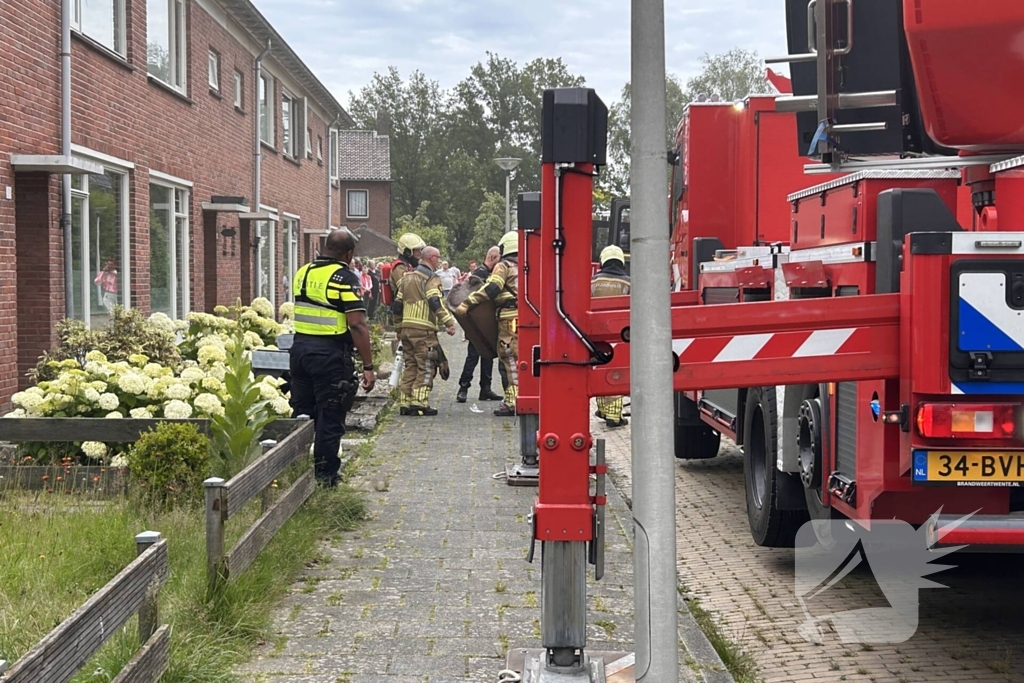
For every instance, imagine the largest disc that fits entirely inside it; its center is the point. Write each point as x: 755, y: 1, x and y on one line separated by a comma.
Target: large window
x: 168, y: 251
x: 266, y: 247
x: 291, y: 257
x: 266, y: 110
x: 333, y: 162
x: 99, y: 246
x: 213, y: 69
x: 288, y: 124
x: 239, y: 90
x: 101, y: 20
x: 166, y: 44
x: 358, y: 204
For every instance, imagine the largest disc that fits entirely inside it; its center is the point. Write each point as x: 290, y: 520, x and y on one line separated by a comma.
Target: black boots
x: 505, y: 410
x: 488, y: 395
x: 463, y: 394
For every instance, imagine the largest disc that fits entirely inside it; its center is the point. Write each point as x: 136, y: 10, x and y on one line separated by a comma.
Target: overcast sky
x: 345, y: 41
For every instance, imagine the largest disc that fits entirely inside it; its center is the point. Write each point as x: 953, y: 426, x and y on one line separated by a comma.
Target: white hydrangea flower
x: 192, y: 375
x: 268, y: 392
x: 287, y: 310
x: 114, y: 415
x: 119, y: 461
x: 91, y: 395
x: 109, y: 401
x: 140, y: 413
x: 281, y: 406
x: 178, y: 392
x: 212, y: 384
x: 162, y: 322
x: 98, y: 386
x: 96, y: 356
x: 177, y: 410
x: 220, y: 310
x: 263, y: 306
x: 138, y: 359
x: 250, y: 316
x: 153, y: 370
x: 209, y: 355
x: 209, y: 404
x: 98, y: 368
x: 18, y: 412
x: 132, y: 383
x: 94, y: 449
x: 251, y: 340
x: 210, y: 340
x: 218, y: 371
x: 156, y: 389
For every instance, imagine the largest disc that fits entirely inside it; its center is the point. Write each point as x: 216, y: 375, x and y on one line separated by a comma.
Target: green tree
x: 490, y: 226
x: 729, y: 77
x: 435, y: 235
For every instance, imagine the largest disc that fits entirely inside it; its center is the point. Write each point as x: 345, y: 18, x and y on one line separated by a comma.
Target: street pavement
x: 435, y: 587
x: 971, y: 631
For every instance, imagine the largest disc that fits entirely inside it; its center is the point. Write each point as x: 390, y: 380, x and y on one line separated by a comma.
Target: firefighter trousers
x: 610, y: 407
x: 419, y: 353
x: 508, y: 354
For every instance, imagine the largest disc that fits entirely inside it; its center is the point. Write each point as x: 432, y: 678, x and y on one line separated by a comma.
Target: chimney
x: 383, y: 123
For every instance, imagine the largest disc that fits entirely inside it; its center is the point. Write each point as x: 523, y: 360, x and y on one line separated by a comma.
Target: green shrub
x: 168, y: 465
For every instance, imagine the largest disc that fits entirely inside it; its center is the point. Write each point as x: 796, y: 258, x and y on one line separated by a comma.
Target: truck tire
x: 770, y: 526
x: 697, y: 442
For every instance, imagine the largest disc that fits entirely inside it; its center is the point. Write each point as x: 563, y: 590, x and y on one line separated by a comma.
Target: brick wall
x: 379, y: 219
x: 117, y: 110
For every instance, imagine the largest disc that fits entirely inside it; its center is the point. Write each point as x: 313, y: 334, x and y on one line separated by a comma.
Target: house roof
x: 249, y: 18
x: 374, y: 245
x: 363, y: 155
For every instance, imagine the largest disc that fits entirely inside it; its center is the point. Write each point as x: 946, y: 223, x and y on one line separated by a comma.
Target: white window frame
x: 348, y: 203
x: 213, y: 70
x: 239, y: 89
x: 121, y: 168
x: 288, y: 142
x: 271, y: 293
x: 334, y: 145
x: 319, y: 148
x: 179, y: 209
x: 177, y: 39
x: 309, y: 142
x: 120, y: 45
x: 291, y: 251
x: 265, y: 101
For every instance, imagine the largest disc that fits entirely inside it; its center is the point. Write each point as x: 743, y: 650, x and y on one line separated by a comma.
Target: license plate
x: 968, y: 468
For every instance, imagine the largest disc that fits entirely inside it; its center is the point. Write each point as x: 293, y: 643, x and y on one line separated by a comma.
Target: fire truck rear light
x: 952, y: 420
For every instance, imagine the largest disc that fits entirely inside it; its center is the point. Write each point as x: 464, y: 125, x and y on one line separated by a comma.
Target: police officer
x: 611, y: 280
x: 502, y: 287
x: 330, y: 317
x: 421, y: 306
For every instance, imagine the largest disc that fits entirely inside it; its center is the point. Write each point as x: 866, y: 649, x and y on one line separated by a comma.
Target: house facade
x: 365, y: 181
x: 202, y: 165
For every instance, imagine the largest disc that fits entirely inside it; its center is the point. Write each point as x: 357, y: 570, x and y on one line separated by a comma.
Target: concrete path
x: 435, y: 586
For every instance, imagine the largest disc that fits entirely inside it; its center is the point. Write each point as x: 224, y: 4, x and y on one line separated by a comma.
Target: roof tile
x: 363, y: 155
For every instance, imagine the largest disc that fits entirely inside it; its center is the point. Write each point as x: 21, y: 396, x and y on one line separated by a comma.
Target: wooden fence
x: 225, y: 498
x: 136, y: 589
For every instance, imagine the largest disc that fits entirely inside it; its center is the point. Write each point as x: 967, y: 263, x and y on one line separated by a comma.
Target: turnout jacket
x: 419, y: 300
x: 502, y: 287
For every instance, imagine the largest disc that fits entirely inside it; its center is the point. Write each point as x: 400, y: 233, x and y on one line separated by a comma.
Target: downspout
x: 330, y: 160
x: 257, y: 150
x: 65, y: 149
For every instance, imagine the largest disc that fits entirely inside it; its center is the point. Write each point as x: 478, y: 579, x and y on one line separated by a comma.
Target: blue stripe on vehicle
x: 978, y: 333
x: 990, y: 388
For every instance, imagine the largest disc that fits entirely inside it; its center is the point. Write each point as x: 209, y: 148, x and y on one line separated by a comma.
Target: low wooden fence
x: 224, y: 499
x: 136, y: 589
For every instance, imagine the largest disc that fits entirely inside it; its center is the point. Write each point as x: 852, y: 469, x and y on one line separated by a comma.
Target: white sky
x: 345, y: 41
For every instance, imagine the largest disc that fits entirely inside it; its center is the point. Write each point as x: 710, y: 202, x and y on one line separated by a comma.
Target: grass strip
x: 738, y: 662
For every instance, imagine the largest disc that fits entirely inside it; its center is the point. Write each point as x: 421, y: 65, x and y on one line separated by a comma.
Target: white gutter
x: 330, y: 197
x: 65, y: 143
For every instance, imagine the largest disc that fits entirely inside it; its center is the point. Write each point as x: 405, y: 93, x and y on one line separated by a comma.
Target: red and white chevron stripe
x: 779, y: 345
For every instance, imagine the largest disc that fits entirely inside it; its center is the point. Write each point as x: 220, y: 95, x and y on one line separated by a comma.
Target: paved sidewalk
x: 435, y: 587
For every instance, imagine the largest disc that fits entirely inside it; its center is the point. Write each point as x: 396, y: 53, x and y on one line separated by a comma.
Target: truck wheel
x: 770, y: 526
x: 812, y: 427
x: 697, y: 442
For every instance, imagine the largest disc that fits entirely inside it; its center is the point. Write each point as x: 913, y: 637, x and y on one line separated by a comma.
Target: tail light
x: 967, y: 421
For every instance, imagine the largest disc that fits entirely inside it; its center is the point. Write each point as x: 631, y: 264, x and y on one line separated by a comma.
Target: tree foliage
x: 490, y: 226
x: 434, y: 234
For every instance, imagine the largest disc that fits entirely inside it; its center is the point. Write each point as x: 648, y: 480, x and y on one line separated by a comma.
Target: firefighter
x: 421, y: 307
x: 611, y: 280
x: 410, y: 249
x: 330, y: 318
x: 503, y: 288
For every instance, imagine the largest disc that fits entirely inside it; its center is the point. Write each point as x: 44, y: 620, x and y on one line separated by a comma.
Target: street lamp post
x: 508, y: 164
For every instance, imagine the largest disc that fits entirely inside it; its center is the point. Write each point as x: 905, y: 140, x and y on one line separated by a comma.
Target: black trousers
x: 323, y: 386
x: 486, y: 370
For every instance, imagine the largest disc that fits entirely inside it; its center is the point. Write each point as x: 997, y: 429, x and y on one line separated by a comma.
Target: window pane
x: 158, y: 32
x: 178, y: 42
x: 105, y: 231
x: 357, y: 203
x: 238, y: 89
x: 160, y: 249
x: 265, y: 125
x: 286, y: 125
x: 334, y: 154
x: 266, y: 258
x: 101, y: 21
x: 181, y: 233
x: 77, y: 257
x: 214, y: 71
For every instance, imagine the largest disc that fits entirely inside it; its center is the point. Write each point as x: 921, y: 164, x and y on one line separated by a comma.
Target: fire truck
x: 848, y: 274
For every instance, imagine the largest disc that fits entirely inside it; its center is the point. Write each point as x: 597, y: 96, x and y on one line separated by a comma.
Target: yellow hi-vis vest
x: 316, y: 299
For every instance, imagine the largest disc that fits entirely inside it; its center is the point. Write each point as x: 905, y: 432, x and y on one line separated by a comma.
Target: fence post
x: 267, y: 495
x: 149, y: 611
x: 215, y: 509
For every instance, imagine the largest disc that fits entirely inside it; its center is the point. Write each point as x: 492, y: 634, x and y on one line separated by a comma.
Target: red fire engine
x: 855, y: 324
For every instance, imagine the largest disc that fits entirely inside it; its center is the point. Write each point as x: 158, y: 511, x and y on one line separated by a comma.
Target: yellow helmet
x: 410, y: 242
x: 509, y: 243
x: 612, y: 253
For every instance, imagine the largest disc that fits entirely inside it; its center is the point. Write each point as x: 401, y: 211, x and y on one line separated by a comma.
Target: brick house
x: 365, y: 180
x: 162, y: 206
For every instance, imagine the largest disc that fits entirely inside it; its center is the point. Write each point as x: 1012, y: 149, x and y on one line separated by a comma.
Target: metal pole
x: 65, y: 150
x: 654, y: 554
x: 508, y: 201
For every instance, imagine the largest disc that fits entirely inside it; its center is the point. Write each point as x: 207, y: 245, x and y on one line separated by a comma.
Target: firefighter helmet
x: 509, y: 243
x: 410, y: 242
x: 612, y: 253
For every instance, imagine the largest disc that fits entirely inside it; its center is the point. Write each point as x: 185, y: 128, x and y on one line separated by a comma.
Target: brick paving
x: 434, y: 587
x: 971, y: 631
